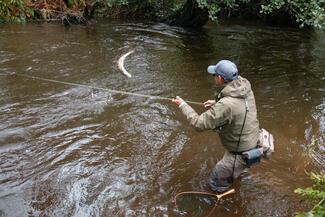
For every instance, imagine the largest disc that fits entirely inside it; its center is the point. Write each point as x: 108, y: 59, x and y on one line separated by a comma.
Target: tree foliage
x: 303, y: 12
x: 306, y: 13
x: 20, y: 10
x: 111, y: 3
x: 214, y: 7
x: 13, y: 10
x: 310, y: 13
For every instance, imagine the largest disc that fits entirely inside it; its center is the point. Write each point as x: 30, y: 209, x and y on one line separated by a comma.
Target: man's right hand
x: 209, y: 103
x: 178, y: 100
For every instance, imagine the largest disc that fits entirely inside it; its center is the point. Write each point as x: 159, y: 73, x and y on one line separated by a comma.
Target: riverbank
x: 75, y: 11
x: 20, y: 11
x: 183, y: 13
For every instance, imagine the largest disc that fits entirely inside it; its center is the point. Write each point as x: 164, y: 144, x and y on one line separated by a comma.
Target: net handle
x: 231, y: 191
x: 219, y: 196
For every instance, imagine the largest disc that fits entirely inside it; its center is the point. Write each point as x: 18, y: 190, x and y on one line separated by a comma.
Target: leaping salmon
x: 121, y: 63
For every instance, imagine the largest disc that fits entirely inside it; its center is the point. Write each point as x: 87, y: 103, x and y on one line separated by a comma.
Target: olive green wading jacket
x: 227, y: 116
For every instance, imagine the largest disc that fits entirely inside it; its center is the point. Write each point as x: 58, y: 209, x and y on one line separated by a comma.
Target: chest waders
x: 241, y: 131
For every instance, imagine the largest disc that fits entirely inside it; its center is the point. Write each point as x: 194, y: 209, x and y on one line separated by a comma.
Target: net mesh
x: 190, y: 204
x: 195, y: 203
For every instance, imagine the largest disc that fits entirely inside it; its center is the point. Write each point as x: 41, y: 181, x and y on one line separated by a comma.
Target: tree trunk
x: 189, y: 16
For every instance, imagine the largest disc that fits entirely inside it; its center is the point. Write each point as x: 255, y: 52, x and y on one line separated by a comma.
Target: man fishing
x: 233, y: 115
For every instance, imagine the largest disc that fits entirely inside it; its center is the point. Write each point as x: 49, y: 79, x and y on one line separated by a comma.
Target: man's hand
x: 209, y: 103
x: 178, y: 100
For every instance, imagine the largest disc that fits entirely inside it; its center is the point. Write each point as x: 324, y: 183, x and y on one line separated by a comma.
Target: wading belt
x: 241, y: 152
x: 241, y: 131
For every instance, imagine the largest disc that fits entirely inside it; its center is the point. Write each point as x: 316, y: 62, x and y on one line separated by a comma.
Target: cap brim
x: 211, y: 70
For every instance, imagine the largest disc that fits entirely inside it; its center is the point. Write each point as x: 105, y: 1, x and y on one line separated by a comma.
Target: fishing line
x: 104, y: 89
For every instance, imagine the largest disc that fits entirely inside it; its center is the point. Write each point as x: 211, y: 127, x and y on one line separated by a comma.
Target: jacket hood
x: 238, y: 88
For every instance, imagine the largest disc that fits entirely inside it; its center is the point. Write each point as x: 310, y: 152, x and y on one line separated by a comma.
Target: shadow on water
x: 73, y: 151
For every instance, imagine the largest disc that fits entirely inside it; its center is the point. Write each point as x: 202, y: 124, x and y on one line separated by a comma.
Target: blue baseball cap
x: 226, y: 69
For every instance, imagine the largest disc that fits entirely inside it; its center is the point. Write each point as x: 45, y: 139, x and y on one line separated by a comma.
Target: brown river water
x: 77, y: 151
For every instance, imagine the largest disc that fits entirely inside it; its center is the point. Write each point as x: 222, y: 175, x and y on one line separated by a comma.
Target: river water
x: 76, y: 151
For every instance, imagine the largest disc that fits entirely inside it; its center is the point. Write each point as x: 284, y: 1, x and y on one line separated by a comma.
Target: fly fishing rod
x: 101, y: 88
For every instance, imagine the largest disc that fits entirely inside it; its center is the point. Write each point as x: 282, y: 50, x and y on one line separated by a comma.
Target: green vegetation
x: 14, y: 10
x: 22, y: 10
x: 313, y: 146
x: 304, y: 13
x: 310, y: 13
x: 315, y: 195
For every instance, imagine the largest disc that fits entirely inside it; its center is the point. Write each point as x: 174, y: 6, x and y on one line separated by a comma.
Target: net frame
x: 217, y: 197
